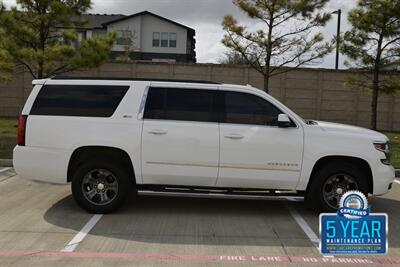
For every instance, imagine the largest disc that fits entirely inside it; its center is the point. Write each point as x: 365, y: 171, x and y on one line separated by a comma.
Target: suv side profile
x: 113, y: 137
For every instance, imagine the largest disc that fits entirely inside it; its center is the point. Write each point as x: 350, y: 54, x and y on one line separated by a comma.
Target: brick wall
x: 312, y: 93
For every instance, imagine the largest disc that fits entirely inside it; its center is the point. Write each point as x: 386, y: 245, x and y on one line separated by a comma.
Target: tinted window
x: 78, y: 100
x: 155, y: 104
x: 242, y: 108
x: 179, y: 104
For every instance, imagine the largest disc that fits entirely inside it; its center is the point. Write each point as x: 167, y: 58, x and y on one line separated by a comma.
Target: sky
x: 205, y: 16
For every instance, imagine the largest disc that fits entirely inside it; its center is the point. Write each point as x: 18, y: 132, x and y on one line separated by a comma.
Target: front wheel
x: 331, y: 182
x: 100, y: 186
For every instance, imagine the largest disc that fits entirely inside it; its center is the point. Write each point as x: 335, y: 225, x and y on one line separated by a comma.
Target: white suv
x: 111, y: 138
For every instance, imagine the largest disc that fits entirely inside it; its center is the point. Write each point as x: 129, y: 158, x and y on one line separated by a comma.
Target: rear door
x: 180, y: 138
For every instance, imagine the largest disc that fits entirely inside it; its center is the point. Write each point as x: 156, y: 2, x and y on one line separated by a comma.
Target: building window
x: 80, y: 37
x: 156, y: 39
x: 164, y: 39
x: 172, y: 39
x: 124, y: 37
x: 100, y: 33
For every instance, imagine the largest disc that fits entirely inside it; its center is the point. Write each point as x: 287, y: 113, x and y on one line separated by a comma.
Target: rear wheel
x: 100, y: 186
x: 331, y: 182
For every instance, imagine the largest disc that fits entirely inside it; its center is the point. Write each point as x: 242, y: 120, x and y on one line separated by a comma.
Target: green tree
x: 6, y: 65
x: 284, y: 34
x: 40, y: 35
x: 373, y: 45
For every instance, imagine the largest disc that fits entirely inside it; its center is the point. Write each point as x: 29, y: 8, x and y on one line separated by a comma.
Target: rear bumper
x: 384, y: 176
x: 41, y: 164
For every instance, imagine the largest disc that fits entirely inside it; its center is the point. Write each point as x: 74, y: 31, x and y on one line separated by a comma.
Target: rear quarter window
x: 78, y: 100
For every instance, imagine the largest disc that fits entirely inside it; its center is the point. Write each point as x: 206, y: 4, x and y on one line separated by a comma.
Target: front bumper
x: 383, y: 176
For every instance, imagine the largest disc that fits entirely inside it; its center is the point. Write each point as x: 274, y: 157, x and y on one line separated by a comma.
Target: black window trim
x: 218, y: 98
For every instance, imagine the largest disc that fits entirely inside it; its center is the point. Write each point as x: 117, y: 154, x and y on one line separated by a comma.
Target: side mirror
x: 284, y: 121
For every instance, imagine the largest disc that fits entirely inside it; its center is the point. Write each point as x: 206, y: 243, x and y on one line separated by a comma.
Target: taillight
x: 22, y: 129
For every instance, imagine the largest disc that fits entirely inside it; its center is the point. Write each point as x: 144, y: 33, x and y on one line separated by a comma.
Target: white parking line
x: 306, y: 228
x: 82, y: 234
x: 396, y: 181
x: 304, y: 225
x: 5, y: 169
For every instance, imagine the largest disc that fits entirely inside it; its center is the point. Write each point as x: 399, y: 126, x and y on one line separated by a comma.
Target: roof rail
x: 131, y: 79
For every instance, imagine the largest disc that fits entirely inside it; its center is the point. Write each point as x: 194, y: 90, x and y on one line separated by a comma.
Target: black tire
x: 315, y: 195
x: 119, y: 176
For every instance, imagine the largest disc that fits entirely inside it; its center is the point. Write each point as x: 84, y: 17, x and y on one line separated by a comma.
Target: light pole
x: 339, y: 13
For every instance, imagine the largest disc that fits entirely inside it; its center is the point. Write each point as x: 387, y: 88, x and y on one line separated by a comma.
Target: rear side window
x: 180, y: 104
x: 78, y: 100
x: 243, y: 108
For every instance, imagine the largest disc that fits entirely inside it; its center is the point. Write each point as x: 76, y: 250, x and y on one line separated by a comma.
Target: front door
x: 255, y: 153
x: 180, y: 138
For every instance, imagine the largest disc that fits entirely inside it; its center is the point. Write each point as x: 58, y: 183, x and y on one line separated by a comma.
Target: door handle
x: 234, y: 136
x: 157, y: 131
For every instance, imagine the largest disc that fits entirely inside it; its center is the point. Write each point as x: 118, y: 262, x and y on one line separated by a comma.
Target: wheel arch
x: 358, y: 162
x: 84, y: 153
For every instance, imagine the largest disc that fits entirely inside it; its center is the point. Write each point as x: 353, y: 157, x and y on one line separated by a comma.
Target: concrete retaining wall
x: 312, y: 93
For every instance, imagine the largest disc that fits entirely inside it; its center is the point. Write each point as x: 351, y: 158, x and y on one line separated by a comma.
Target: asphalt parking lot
x: 40, y: 224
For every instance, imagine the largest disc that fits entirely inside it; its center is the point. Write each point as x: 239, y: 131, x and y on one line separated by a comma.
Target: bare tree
x: 128, y: 40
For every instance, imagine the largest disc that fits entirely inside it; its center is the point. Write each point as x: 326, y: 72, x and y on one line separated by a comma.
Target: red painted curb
x: 214, y: 258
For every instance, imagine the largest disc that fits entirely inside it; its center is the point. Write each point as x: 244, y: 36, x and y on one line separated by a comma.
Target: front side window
x: 243, y: 108
x: 172, y: 39
x: 156, y: 39
x: 180, y: 104
x: 164, y: 39
x: 78, y: 100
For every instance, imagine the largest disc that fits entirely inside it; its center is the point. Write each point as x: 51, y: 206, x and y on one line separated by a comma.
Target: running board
x: 257, y: 196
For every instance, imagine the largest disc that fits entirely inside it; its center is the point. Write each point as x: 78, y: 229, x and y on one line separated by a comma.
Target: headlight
x: 385, y: 148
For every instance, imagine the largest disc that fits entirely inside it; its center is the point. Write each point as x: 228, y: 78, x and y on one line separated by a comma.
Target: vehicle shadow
x: 172, y: 220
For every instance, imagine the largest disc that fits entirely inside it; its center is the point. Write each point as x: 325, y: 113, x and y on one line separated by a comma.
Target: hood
x: 355, y: 130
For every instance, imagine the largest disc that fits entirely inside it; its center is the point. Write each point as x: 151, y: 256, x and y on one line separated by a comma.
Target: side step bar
x: 220, y: 196
x: 219, y: 193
